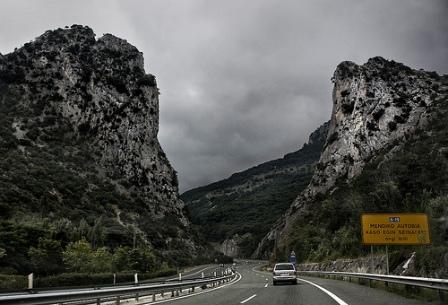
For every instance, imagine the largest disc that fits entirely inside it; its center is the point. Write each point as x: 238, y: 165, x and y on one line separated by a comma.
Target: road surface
x: 255, y: 288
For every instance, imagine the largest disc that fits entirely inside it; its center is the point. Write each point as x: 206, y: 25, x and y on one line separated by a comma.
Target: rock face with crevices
x: 376, y: 106
x: 81, y: 118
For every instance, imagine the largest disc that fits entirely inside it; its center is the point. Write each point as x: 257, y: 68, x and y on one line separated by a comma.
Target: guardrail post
x: 172, y: 293
x: 441, y: 296
x: 192, y: 289
x: 98, y: 301
x: 117, y: 301
x: 136, y: 296
x: 154, y: 297
x: 162, y: 293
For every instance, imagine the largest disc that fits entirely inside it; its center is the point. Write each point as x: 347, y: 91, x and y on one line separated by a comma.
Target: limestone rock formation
x: 377, y: 107
x: 86, y: 108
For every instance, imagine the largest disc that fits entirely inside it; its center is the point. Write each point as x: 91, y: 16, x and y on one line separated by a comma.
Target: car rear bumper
x: 285, y: 278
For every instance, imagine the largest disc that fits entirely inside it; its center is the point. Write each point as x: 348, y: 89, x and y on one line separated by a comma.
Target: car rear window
x: 284, y: 267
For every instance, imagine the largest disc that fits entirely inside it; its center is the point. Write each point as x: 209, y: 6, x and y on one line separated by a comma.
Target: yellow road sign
x: 395, y: 229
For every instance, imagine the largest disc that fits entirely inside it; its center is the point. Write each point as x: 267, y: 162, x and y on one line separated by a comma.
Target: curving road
x: 255, y: 288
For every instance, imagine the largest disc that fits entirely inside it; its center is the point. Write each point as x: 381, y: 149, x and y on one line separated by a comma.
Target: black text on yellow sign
x: 395, y: 229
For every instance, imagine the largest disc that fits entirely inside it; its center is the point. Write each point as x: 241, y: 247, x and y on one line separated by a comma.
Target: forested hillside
x: 243, y: 207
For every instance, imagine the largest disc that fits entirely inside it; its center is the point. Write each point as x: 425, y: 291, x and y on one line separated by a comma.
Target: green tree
x: 78, y: 255
x: 101, y: 260
x: 97, y: 233
x: 46, y: 258
x: 142, y: 259
x: 120, y: 259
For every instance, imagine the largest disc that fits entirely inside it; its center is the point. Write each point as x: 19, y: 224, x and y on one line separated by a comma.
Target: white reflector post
x: 30, y: 280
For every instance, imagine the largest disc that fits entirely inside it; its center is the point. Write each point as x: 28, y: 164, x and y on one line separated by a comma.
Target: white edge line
x: 193, y: 294
x: 248, y: 299
x: 331, y: 294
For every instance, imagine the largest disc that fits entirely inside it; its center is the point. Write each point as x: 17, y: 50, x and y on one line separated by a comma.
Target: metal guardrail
x: 111, y: 294
x: 438, y: 284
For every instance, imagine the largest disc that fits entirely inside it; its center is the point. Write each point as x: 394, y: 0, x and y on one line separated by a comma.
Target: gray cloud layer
x: 244, y: 82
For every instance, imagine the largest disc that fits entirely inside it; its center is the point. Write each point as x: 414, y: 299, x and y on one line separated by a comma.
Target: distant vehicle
x: 284, y: 272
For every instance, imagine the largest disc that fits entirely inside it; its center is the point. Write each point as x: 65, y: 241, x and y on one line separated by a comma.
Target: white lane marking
x: 248, y: 299
x: 193, y: 294
x: 331, y: 294
x: 266, y: 285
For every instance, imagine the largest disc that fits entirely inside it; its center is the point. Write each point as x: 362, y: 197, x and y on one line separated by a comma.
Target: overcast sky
x: 243, y: 81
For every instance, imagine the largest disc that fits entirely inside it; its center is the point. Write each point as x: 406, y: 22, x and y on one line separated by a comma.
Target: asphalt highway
x: 254, y: 287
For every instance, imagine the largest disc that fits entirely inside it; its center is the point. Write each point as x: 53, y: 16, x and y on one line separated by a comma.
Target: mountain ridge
x: 377, y: 108
x: 81, y: 159
x: 266, y: 189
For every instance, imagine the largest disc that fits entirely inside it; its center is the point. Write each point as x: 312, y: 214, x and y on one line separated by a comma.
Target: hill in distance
x: 242, y: 208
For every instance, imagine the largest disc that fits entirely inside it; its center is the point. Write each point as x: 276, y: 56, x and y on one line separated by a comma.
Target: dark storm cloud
x: 244, y: 82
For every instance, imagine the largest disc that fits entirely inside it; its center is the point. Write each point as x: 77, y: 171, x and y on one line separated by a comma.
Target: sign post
x: 394, y: 229
x: 292, y: 258
x: 387, y: 261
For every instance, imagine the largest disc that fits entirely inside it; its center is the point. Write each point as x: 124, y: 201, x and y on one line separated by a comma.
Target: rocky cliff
x: 378, y: 108
x: 243, y: 207
x: 375, y: 106
x: 79, y: 122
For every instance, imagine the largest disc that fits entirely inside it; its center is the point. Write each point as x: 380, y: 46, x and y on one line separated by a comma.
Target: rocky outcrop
x: 403, y: 265
x: 376, y: 108
x: 89, y: 103
x: 232, y: 246
x: 375, y: 264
